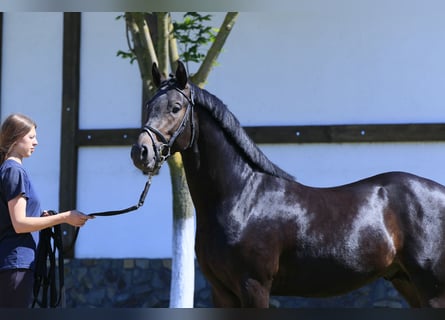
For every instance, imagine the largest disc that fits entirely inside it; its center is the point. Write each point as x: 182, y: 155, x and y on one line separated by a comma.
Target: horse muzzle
x: 144, y: 158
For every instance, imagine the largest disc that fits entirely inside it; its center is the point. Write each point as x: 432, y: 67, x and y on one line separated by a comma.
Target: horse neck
x: 215, y: 167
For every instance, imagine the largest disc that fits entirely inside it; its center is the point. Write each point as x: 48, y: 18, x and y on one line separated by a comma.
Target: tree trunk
x: 183, y: 259
x: 182, y: 287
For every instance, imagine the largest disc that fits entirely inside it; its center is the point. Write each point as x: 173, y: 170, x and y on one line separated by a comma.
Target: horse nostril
x: 139, y: 153
x: 144, y: 152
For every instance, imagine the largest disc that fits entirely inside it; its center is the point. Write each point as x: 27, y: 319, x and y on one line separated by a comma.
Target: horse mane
x: 231, y: 126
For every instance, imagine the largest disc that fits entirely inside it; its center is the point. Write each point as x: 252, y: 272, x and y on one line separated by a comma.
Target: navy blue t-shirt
x: 17, y: 251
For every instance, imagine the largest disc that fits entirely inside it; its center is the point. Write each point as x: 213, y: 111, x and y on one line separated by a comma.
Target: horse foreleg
x: 224, y: 299
x: 255, y: 294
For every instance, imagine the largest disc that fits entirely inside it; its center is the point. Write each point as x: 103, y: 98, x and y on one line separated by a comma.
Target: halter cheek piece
x: 163, y: 151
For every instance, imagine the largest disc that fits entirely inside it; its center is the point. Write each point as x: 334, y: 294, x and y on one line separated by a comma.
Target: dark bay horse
x: 259, y: 232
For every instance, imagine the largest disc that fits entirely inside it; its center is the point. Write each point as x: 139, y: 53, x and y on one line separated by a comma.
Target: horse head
x: 169, y: 126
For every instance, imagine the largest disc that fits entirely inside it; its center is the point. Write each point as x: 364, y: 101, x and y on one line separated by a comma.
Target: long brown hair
x: 15, y: 127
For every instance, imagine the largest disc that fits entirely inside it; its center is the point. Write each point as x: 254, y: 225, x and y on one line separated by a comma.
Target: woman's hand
x: 23, y: 224
x: 76, y: 218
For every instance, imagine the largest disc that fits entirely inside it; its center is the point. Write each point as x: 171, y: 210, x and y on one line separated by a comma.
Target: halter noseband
x: 163, y: 151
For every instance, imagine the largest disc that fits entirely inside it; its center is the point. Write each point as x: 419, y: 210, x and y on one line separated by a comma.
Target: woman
x: 20, y: 213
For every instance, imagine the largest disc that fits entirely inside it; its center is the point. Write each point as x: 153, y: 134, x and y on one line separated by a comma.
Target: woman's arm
x: 24, y: 224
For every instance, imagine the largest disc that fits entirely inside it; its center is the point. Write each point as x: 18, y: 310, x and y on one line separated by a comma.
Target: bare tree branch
x: 173, y: 46
x: 200, y: 77
x: 162, y: 43
x: 143, y: 46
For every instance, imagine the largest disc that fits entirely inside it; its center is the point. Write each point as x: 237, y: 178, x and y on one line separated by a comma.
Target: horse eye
x: 176, y: 109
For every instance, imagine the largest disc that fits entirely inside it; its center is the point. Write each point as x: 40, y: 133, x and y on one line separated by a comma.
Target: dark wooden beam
x: 355, y: 133
x: 70, y: 120
x: 422, y: 132
x: 107, y: 137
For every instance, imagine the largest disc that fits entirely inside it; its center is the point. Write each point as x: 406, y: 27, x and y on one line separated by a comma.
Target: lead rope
x: 45, y: 268
x: 50, y: 243
x: 129, y: 209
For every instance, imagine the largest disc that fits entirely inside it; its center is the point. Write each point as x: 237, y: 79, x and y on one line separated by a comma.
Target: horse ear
x: 156, y: 75
x: 181, y: 75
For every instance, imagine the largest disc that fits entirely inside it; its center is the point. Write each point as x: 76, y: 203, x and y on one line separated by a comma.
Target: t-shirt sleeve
x: 14, y: 183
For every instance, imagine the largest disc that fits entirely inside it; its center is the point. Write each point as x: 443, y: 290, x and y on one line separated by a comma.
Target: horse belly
x: 334, y: 268
x: 321, y: 278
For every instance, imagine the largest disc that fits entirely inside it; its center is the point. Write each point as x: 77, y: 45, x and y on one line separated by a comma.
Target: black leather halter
x: 163, y: 150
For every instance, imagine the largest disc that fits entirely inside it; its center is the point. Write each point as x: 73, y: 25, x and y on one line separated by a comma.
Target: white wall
x: 32, y: 84
x: 366, y: 62
x: 316, y: 64
x: 110, y: 87
x: 324, y: 165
